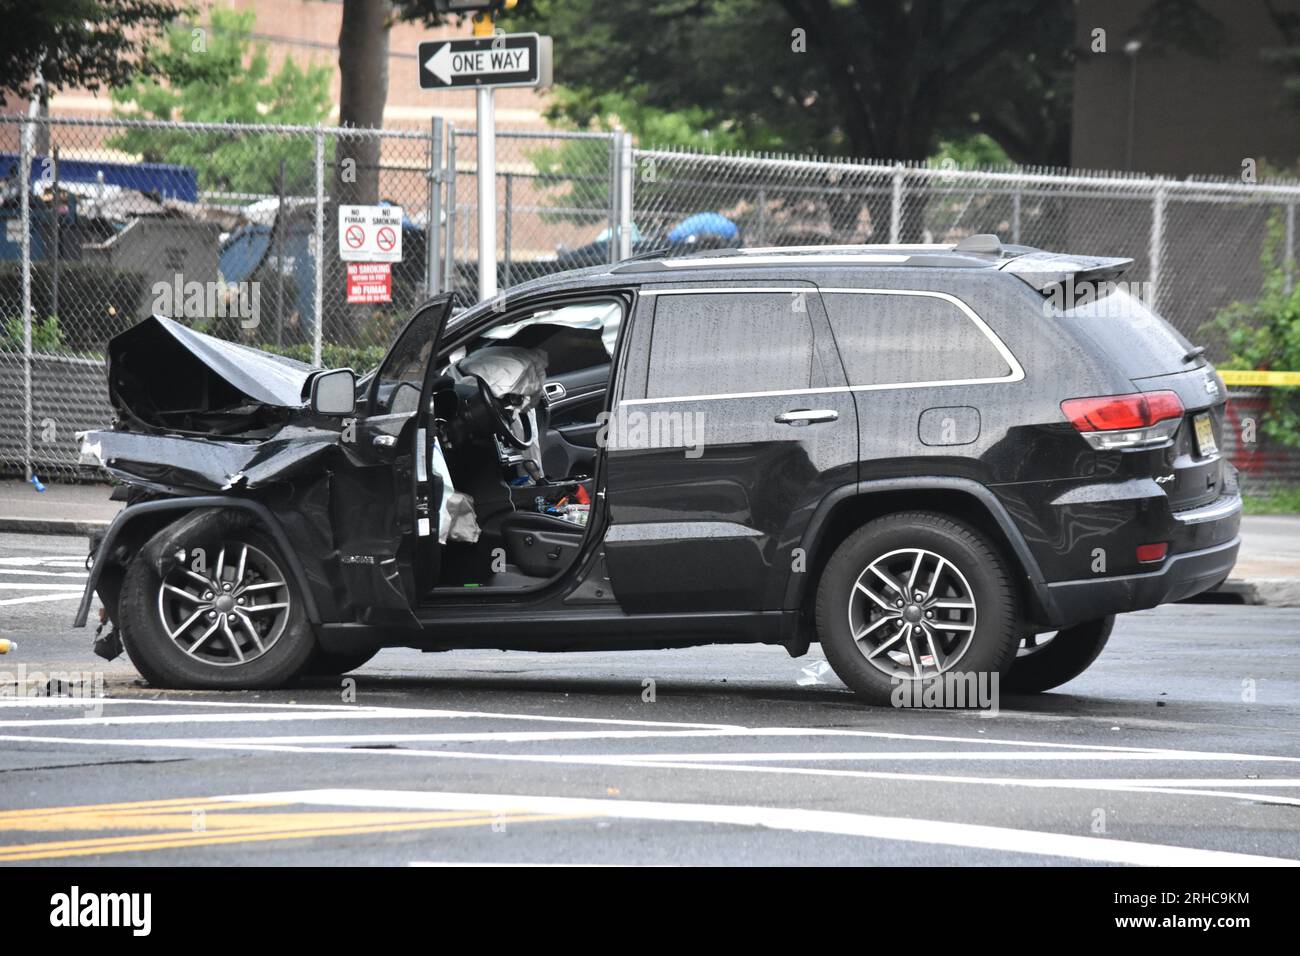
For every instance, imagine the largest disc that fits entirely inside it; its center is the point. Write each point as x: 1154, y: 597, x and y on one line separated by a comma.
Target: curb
x: 1269, y: 592
x: 50, y: 526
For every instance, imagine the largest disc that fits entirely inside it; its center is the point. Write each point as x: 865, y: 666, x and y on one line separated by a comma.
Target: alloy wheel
x: 231, y: 613
x: 912, y: 613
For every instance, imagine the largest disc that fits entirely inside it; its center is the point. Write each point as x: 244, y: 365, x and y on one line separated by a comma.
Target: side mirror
x: 334, y: 392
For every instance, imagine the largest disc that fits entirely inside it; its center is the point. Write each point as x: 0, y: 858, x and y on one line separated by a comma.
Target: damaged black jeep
x: 287, y: 520
x: 910, y: 455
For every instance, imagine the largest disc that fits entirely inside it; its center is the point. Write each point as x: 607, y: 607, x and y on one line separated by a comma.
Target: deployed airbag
x: 514, y: 375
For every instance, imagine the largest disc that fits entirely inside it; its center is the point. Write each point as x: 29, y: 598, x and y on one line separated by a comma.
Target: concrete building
x: 307, y: 31
x: 1176, y: 113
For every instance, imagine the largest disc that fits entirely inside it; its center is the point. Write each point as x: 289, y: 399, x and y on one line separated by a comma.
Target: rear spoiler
x: 1044, y: 270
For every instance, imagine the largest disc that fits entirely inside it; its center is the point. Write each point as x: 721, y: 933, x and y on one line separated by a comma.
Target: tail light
x: 1125, y: 421
x: 1156, y: 551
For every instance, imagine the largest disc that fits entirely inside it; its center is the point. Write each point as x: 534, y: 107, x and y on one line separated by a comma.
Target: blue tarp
x: 168, y: 181
x: 713, y: 225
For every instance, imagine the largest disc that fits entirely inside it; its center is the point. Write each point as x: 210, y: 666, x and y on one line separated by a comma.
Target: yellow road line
x: 15, y: 819
x: 184, y: 822
x: 132, y: 805
x: 39, y: 851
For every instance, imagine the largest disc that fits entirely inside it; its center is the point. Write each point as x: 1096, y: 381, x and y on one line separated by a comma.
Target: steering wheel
x: 513, y: 429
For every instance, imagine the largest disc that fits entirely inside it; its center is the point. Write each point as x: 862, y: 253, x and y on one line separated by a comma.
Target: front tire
x: 1041, y: 665
x: 234, y: 621
x: 912, y: 597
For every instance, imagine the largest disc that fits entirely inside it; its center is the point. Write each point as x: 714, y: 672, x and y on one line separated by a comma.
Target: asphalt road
x: 1180, y: 746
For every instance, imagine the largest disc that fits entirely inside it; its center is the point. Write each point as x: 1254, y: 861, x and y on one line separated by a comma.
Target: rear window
x: 1137, y: 341
x: 894, y: 339
x: 727, y: 342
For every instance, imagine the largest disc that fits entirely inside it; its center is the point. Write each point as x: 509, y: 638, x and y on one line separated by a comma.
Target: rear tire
x: 938, y: 599
x: 180, y: 632
x: 1059, y: 660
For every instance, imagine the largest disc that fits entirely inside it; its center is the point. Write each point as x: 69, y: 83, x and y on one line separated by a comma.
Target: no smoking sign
x: 370, y: 233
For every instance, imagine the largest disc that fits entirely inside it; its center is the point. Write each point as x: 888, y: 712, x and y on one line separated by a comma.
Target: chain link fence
x: 557, y: 205
x: 1199, y: 244
x: 233, y: 229
x: 230, y: 228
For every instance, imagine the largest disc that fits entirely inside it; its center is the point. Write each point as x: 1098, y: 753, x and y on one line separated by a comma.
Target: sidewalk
x: 60, y: 509
x: 1269, y: 563
x: 1267, y: 571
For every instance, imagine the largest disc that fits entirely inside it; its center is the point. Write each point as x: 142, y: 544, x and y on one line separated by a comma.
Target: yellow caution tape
x: 1252, y: 377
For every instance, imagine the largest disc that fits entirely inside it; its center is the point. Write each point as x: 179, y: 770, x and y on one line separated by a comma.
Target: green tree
x: 882, y: 79
x: 215, y: 73
x: 872, y: 78
x: 1264, y: 333
x: 1286, y: 57
x: 83, y: 44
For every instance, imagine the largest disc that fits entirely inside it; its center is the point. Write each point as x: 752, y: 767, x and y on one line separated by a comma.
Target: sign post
x: 487, y: 195
x: 482, y: 64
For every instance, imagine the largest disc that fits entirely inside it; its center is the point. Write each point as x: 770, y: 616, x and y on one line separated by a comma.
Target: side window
x: 400, y: 379
x: 721, y: 342
x: 888, y: 339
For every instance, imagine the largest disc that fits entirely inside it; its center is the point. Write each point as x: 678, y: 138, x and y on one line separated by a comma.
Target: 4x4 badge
x: 1164, y: 478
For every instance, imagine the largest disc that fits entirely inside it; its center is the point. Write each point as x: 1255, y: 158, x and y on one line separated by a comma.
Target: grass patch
x: 1282, y: 501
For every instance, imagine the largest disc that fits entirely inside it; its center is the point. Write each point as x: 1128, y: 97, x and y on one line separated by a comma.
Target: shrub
x: 1264, y: 333
x: 95, y: 301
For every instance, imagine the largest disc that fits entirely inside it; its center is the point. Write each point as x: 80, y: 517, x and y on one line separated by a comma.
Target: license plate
x: 1205, y: 443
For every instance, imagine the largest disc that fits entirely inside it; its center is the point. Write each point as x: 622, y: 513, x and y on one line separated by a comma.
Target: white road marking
x: 744, y: 757
x: 302, y: 712
x: 80, y: 575
x: 46, y: 560
x: 623, y: 761
x: 27, y: 586
x: 40, y: 598
x: 327, y: 712
x: 172, y: 702
x: 837, y: 823
x: 1085, y: 752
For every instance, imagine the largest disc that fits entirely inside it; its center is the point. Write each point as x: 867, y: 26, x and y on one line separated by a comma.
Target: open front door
x: 390, y: 504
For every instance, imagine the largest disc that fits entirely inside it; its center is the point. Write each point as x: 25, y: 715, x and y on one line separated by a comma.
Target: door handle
x: 384, y: 441
x: 806, y: 416
x: 555, y: 391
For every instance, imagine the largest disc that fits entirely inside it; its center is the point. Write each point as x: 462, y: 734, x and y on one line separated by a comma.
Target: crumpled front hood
x: 165, y: 375
x: 173, y: 464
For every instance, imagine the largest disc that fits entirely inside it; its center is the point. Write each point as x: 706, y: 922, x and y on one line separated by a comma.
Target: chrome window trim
x: 1016, y: 374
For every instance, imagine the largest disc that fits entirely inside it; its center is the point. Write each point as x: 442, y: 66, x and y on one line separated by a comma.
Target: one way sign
x: 507, y: 59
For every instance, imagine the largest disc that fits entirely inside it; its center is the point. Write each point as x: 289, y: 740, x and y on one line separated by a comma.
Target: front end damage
x: 196, y: 414
x: 208, y: 433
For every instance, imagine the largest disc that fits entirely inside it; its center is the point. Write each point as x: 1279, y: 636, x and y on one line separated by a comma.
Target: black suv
x: 926, y: 458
